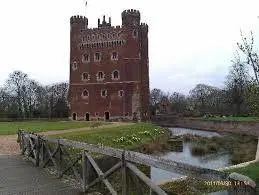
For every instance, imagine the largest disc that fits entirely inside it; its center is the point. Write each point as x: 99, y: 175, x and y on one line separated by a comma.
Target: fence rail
x: 42, y: 150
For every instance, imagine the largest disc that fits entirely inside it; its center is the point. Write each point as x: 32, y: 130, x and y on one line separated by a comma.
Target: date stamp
x: 227, y: 183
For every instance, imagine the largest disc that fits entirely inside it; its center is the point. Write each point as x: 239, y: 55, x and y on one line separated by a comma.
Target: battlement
x: 78, y: 19
x: 131, y: 12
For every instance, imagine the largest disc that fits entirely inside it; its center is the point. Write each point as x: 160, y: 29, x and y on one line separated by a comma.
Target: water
x: 212, y: 161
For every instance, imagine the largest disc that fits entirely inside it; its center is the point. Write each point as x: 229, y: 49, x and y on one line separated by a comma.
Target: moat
x: 212, y: 161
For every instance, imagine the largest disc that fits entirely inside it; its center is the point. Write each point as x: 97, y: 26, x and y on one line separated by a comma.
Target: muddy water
x: 211, y: 161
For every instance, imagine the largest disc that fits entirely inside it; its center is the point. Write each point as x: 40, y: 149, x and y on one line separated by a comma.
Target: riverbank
x: 249, y: 127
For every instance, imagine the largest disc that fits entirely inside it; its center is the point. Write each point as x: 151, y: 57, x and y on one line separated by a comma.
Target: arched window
x: 97, y: 56
x: 120, y: 93
x: 104, y: 93
x: 74, y: 65
x: 114, y: 56
x: 100, y: 75
x: 85, y: 93
x: 115, y: 75
x: 85, y: 76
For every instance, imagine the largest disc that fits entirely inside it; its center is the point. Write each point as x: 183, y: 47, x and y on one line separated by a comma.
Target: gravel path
x: 9, y: 145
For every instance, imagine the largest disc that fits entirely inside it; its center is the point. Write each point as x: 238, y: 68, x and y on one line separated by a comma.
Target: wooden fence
x: 42, y: 151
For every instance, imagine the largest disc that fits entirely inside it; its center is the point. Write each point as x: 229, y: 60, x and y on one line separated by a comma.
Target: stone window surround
x: 83, y: 58
x: 112, y: 75
x: 74, y: 65
x: 100, y: 56
x: 73, y: 115
x: 97, y: 76
x: 85, y: 96
x: 112, y: 56
x: 105, y: 93
x: 88, y: 76
x: 119, y: 93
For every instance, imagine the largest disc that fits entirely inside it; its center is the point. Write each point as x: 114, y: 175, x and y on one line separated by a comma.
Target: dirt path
x: 9, y: 145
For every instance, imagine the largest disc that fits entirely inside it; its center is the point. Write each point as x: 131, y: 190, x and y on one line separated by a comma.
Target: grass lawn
x: 231, y: 118
x: 130, y: 136
x: 251, y: 170
x: 8, y: 128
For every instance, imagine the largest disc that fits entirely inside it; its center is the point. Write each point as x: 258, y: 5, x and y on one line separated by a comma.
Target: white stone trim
x: 112, y: 75
x: 97, y: 76
x: 119, y: 94
x: 73, y: 116
x: 117, y: 56
x: 83, y: 96
x: 100, y: 57
x: 83, y: 58
x: 105, y: 93
x: 88, y: 76
x: 74, y: 65
x: 88, y: 114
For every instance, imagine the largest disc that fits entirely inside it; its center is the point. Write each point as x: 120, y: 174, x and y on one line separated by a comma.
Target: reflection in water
x: 211, y: 161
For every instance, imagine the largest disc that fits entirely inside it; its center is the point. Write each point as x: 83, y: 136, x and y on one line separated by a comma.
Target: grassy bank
x: 8, y: 128
x: 242, y: 148
x: 135, y: 136
x: 251, y: 170
x: 232, y: 118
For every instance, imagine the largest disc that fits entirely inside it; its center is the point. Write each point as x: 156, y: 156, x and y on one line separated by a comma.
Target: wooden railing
x: 42, y: 151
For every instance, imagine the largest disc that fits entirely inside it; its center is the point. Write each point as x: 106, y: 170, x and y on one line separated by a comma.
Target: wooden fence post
x: 84, y: 171
x: 37, y: 157
x: 124, y: 174
x: 59, y: 160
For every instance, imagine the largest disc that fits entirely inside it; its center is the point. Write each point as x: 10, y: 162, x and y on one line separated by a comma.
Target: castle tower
x: 109, y: 77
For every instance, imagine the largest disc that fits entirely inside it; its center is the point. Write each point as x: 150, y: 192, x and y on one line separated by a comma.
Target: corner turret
x: 78, y: 22
x: 130, y: 17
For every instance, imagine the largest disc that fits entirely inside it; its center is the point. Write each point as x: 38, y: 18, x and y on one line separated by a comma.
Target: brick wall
x: 130, y: 43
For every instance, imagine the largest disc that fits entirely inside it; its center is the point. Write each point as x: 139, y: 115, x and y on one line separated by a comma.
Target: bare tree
x: 248, y: 49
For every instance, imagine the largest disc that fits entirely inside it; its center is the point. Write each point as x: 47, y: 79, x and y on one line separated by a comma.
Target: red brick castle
x: 109, y: 73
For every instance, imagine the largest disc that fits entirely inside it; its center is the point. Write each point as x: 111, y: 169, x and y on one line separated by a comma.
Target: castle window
x: 114, y: 56
x: 120, y: 93
x: 97, y: 114
x: 103, y: 93
x: 97, y: 57
x: 74, y: 65
x: 115, y: 75
x: 85, y: 94
x: 100, y: 76
x: 85, y: 76
x: 135, y: 34
x: 86, y: 58
x: 81, y: 47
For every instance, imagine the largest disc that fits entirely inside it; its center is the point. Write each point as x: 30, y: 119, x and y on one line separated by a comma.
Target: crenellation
x: 108, y: 48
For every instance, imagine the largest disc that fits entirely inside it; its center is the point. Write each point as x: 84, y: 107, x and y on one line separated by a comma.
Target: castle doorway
x: 87, y: 117
x: 74, y: 116
x: 107, y: 115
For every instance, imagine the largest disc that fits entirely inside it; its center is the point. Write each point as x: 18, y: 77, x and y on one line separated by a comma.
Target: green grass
x: 251, y: 170
x: 230, y: 118
x: 8, y: 128
x: 130, y: 136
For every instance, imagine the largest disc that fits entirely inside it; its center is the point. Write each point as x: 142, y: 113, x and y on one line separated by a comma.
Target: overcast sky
x: 190, y: 41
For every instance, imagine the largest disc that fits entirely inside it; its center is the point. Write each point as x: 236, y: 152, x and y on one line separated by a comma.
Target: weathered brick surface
x: 130, y: 41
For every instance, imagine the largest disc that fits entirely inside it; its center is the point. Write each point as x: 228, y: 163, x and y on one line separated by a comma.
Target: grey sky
x: 190, y: 41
